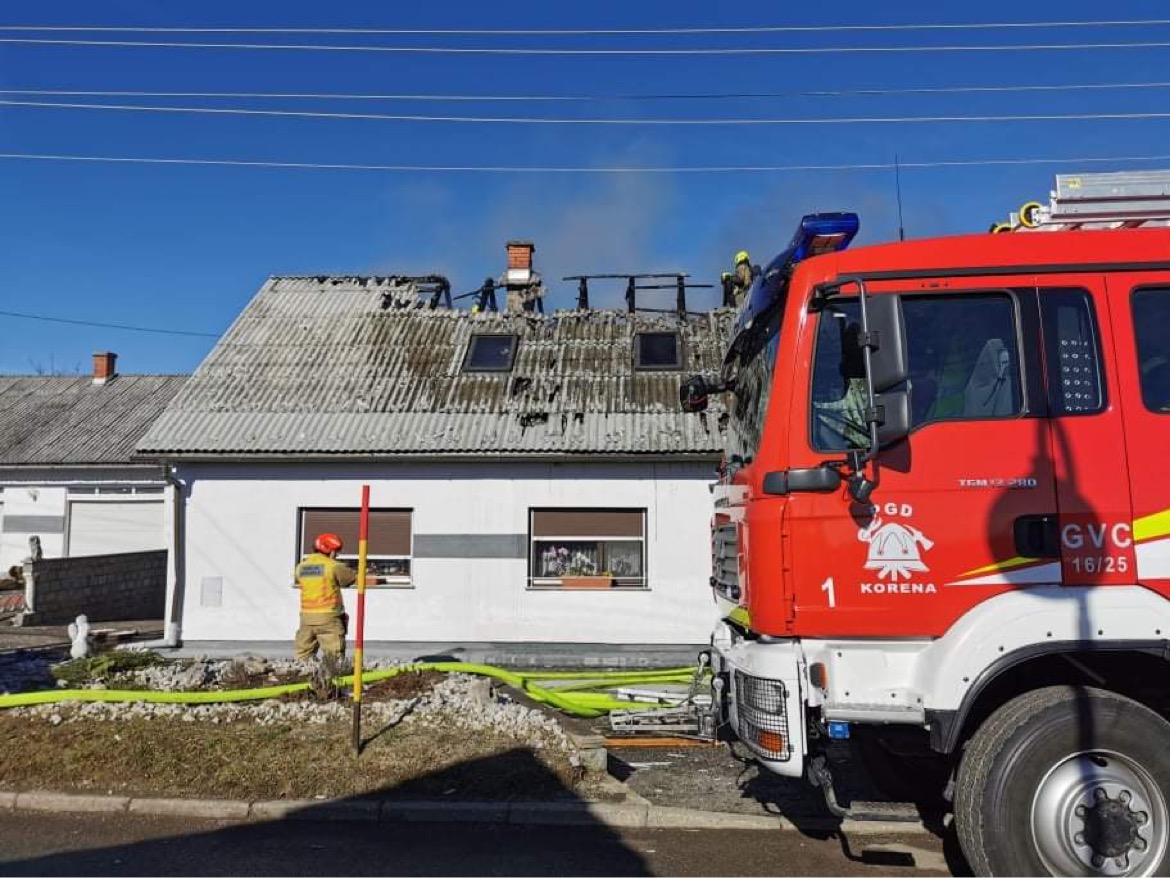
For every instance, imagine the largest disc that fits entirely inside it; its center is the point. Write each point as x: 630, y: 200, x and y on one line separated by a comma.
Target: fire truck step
x: 890, y: 812
x: 894, y: 812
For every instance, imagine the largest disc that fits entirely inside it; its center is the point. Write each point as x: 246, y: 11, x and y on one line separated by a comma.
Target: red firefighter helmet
x: 326, y: 543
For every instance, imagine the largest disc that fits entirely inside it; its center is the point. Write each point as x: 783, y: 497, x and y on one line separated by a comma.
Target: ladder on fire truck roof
x: 1116, y: 200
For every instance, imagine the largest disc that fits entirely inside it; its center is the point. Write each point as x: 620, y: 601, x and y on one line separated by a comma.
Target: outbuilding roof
x: 69, y: 420
x: 338, y: 366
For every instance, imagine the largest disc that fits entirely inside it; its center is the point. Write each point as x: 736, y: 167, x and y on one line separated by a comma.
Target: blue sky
x: 186, y: 247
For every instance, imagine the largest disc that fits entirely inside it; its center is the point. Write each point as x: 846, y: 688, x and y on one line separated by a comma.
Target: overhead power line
x: 589, y: 98
x: 584, y: 169
x: 518, y: 50
x: 544, y: 120
x: 746, y: 29
x: 99, y: 325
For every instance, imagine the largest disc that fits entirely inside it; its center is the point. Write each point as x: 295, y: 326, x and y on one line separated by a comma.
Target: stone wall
x: 106, y: 588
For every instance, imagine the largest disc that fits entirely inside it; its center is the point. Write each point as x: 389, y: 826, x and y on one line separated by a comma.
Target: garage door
x: 104, y: 528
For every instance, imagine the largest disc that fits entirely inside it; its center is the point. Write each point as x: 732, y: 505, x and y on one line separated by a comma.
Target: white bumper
x: 765, y: 701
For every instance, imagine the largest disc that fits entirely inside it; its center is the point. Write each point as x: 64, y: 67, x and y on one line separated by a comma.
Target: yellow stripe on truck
x: 1151, y: 527
x: 999, y: 566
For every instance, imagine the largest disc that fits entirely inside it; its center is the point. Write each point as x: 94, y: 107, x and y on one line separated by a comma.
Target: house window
x: 657, y: 350
x: 490, y: 353
x: 389, y: 545
x: 587, y: 548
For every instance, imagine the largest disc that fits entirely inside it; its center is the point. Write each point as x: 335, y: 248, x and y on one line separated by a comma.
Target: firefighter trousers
x: 317, y: 630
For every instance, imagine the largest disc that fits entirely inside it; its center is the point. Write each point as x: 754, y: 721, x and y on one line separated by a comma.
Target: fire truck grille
x: 725, y: 558
x: 762, y: 712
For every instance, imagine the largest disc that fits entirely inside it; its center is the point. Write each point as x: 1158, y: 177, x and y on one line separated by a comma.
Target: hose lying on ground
x: 577, y: 698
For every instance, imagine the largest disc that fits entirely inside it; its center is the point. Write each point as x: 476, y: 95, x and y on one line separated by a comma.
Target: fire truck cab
x: 942, y: 527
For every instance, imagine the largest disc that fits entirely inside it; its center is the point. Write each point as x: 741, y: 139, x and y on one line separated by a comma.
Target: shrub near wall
x: 106, y: 588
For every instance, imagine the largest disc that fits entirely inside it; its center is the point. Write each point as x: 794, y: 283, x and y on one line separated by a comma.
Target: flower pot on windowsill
x: 586, y: 581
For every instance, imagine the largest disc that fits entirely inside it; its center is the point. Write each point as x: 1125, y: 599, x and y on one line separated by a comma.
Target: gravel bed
x: 457, y: 701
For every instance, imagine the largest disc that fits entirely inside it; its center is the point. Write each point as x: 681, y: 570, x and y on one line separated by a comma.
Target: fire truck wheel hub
x: 1099, y: 813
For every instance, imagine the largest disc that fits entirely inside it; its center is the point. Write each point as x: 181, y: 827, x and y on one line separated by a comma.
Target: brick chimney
x: 103, y: 366
x: 520, y: 255
x: 522, y: 282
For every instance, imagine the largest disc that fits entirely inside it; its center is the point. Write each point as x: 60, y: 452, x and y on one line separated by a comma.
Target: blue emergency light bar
x: 817, y: 233
x: 823, y: 233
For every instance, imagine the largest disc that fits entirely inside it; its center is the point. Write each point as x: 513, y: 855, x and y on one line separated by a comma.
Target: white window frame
x: 555, y: 583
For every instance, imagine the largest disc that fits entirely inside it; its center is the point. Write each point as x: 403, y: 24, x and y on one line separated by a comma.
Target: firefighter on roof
x: 742, y: 277
x: 321, y: 577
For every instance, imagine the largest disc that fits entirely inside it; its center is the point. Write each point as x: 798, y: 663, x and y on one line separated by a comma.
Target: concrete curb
x: 443, y: 812
x: 209, y: 809
x: 314, y: 809
x: 619, y: 815
x: 577, y: 814
x: 41, y: 800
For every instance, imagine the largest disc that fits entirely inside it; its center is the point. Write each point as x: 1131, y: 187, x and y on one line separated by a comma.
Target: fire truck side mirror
x: 889, y: 365
x: 893, y: 408
x: 810, y: 480
x: 692, y: 394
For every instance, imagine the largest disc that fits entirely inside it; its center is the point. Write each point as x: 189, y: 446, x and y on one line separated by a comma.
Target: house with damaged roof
x: 532, y: 479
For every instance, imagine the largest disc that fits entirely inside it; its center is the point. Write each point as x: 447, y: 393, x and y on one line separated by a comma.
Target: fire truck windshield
x: 754, y: 367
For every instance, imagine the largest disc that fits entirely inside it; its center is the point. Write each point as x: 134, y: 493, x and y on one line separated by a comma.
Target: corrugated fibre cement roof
x: 319, y: 366
x: 67, y: 420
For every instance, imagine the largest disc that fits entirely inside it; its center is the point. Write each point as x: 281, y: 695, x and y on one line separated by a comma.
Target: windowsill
x: 380, y: 586
x: 559, y: 585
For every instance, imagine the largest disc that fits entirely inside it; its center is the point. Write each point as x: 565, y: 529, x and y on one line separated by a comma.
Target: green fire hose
x: 583, y: 696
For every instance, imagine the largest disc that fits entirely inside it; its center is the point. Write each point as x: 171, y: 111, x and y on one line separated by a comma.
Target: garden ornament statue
x: 79, y: 634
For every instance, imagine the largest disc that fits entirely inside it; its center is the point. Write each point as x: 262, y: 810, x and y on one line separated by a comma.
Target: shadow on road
x: 309, y: 846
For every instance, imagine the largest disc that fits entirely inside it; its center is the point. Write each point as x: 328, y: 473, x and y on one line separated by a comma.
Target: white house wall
x: 239, y: 535
x: 35, y: 501
x: 32, y: 511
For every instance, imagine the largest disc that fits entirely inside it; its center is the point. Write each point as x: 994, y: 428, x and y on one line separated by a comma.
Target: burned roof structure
x: 325, y: 367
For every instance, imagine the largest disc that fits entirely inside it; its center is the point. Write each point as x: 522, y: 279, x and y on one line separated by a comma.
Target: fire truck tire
x: 1066, y: 781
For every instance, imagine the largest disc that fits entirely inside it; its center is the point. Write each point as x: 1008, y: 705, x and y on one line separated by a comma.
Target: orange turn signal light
x: 773, y: 741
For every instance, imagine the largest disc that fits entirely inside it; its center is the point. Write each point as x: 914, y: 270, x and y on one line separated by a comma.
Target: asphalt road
x: 124, y: 844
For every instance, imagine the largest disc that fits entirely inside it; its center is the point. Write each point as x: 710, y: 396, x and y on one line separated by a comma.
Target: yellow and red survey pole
x: 359, y: 639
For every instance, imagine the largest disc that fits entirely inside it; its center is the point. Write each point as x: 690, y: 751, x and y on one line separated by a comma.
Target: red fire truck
x: 942, y: 528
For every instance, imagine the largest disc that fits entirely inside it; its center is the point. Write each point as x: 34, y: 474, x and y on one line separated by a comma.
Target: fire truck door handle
x: 1036, y: 536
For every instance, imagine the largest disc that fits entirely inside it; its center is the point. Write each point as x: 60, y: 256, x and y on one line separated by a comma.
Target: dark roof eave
x: 419, y: 456
x: 81, y: 464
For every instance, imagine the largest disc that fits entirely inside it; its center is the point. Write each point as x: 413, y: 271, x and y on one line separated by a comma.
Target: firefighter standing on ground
x: 321, y: 577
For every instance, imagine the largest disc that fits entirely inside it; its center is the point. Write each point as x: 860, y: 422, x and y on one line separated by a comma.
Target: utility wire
x: 108, y: 325
x: 748, y: 29
x: 583, y: 98
x: 516, y: 50
x: 542, y: 120
x: 583, y: 169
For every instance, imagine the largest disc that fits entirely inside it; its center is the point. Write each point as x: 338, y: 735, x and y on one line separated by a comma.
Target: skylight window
x: 657, y: 350
x: 490, y: 353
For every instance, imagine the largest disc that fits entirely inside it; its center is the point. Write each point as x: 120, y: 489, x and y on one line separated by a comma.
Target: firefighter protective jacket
x: 321, y: 579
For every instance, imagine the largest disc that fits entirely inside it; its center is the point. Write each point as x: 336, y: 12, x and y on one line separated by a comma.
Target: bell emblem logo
x: 894, y: 549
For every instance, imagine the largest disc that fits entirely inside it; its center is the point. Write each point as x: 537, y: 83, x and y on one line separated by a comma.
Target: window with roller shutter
x: 587, y: 548
x: 389, y: 545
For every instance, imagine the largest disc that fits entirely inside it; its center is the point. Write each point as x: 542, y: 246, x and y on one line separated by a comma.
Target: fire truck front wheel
x: 1066, y: 781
